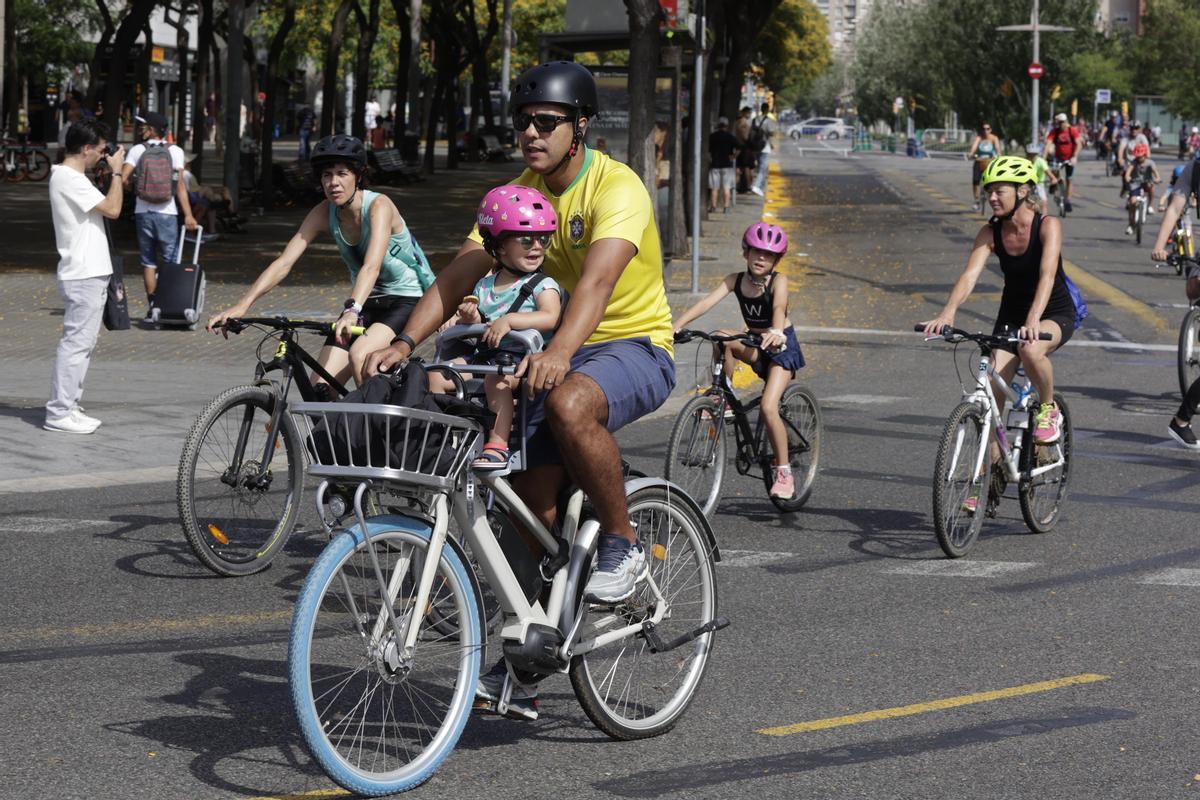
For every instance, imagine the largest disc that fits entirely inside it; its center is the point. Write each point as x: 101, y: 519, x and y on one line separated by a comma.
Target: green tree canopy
x: 49, y: 36
x: 793, y: 49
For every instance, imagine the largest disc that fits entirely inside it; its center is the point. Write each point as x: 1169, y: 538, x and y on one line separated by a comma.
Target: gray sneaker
x: 619, y: 567
x: 523, y: 704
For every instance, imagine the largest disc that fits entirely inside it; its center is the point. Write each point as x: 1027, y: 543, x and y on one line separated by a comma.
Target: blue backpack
x: 1081, y: 309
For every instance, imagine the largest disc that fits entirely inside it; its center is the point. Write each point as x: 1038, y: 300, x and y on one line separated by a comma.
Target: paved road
x: 1059, y: 665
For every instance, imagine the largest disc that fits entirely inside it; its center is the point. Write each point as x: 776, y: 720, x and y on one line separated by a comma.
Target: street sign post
x: 1103, y: 96
x: 1036, y: 71
x: 1035, y: 27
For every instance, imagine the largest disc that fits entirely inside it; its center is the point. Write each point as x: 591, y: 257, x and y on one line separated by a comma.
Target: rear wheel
x: 957, y: 484
x: 1139, y: 220
x: 625, y: 689
x: 1042, y: 495
x: 696, y: 454
x: 37, y: 165
x: 802, y: 419
x: 1189, y: 350
x: 237, y: 516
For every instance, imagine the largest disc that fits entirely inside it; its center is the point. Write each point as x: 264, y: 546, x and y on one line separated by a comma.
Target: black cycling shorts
x: 390, y: 310
x: 1013, y: 323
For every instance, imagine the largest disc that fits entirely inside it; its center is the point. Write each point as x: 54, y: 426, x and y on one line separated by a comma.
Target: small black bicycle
x: 696, y: 455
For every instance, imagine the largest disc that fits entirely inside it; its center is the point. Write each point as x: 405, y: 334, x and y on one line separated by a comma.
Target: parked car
x: 820, y: 127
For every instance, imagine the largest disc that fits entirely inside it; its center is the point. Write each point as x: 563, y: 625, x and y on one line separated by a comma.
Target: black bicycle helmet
x: 562, y: 82
x: 338, y: 147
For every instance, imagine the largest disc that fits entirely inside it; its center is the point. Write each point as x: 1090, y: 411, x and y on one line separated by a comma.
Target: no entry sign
x: 1036, y: 70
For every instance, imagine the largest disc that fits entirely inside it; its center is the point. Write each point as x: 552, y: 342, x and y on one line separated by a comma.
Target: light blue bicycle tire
x: 324, y: 573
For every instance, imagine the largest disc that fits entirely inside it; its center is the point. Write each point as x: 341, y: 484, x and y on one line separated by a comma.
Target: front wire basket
x: 396, y: 444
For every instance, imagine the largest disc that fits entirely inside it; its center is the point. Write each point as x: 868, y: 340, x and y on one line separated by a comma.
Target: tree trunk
x: 8, y: 92
x: 451, y: 113
x: 742, y: 27
x: 267, y: 178
x: 199, y: 117
x: 253, y: 112
x: 126, y: 35
x: 675, y: 240
x: 400, y: 119
x: 368, y: 30
x: 219, y: 86
x: 98, y: 59
x: 414, y: 66
x: 431, y: 121
x: 330, y: 90
x: 644, y: 16
x: 185, y: 81
x: 233, y: 97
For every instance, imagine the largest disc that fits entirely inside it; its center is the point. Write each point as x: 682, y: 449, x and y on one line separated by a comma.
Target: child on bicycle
x: 1140, y: 176
x: 1033, y: 152
x: 762, y: 298
x: 517, y: 224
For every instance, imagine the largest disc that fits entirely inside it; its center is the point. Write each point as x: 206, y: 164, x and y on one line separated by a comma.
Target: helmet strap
x: 353, y: 194
x: 576, y: 138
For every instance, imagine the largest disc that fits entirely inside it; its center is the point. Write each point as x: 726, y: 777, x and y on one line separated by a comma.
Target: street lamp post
x: 1036, y: 28
x: 697, y: 132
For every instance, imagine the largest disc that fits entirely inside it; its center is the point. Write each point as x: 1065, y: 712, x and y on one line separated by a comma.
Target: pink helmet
x: 515, y: 209
x: 766, y: 237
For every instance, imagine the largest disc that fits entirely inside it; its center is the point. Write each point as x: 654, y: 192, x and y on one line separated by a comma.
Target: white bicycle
x: 389, y: 632
x: 966, y: 485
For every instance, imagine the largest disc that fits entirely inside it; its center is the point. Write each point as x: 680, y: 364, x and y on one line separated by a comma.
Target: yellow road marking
x: 933, y: 705
x: 144, y: 627
x: 1091, y: 285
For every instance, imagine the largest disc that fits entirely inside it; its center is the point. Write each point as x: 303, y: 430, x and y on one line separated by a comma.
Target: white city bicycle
x: 388, y: 634
x: 966, y: 484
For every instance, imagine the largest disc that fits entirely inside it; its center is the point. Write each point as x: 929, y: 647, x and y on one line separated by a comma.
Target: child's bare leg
x: 777, y: 381
x: 499, y: 391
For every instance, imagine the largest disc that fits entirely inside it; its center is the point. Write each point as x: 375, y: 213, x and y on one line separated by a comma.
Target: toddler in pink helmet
x: 762, y: 298
x: 517, y: 224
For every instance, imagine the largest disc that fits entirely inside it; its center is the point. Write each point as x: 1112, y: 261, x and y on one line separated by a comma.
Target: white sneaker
x: 1128, y: 230
x: 619, y: 568
x: 73, y: 423
x: 756, y: 191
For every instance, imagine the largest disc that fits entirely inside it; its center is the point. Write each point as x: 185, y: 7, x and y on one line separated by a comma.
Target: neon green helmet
x: 1009, y: 169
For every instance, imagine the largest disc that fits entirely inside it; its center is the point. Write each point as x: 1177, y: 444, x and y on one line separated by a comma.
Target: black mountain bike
x: 241, y: 473
x: 696, y: 454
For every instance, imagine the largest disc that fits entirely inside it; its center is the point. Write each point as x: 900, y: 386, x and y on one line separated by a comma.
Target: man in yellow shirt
x: 611, y: 360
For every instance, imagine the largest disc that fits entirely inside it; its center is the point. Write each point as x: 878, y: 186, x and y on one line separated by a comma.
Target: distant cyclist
x: 1033, y: 152
x: 1185, y: 191
x: 1140, y: 176
x: 388, y: 271
x: 985, y: 148
x: 1035, y: 300
x: 1135, y: 137
x: 762, y: 296
x: 1175, y: 173
x: 1066, y: 143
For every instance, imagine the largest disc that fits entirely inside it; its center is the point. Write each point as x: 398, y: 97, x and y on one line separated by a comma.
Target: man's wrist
x: 406, y: 340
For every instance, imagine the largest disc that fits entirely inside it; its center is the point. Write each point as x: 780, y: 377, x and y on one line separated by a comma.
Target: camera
x: 110, y: 149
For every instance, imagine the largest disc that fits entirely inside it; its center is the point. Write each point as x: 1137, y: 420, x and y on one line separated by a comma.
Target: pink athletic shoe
x: 784, y: 486
x: 1047, y: 424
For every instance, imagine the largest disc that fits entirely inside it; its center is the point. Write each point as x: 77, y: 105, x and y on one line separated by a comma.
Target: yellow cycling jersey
x: 608, y: 201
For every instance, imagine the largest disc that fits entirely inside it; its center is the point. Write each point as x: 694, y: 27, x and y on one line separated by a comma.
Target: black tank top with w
x: 756, y: 311
x: 1021, y: 275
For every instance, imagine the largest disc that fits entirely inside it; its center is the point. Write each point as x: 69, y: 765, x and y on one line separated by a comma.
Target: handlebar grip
x: 1045, y: 337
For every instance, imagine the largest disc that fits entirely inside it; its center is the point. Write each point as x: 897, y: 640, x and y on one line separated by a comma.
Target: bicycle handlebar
x: 957, y: 334
x: 239, y: 324
x: 686, y: 335
x: 1179, y: 258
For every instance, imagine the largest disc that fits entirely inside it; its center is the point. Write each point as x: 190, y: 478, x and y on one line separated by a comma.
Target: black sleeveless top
x: 1021, y: 275
x: 757, y: 312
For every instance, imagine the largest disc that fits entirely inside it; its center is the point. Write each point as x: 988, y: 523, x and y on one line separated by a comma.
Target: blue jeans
x: 304, y: 150
x: 158, y: 238
x: 760, y: 177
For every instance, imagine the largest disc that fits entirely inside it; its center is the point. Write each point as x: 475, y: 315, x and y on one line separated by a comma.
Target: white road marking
x: 863, y: 399
x: 88, y: 480
x: 946, y: 568
x: 1175, y: 576
x: 751, y: 558
x: 51, y: 525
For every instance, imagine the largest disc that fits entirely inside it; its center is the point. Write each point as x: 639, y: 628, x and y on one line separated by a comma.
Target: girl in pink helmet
x: 762, y: 298
x: 517, y: 224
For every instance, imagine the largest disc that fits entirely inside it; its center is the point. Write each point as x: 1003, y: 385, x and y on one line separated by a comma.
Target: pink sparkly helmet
x: 766, y: 237
x: 514, y: 210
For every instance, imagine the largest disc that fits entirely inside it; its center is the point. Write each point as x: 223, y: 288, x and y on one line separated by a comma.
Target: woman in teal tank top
x: 388, y: 270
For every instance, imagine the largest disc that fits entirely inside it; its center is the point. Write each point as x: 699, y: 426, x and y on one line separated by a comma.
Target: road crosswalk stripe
x: 751, y: 558
x: 51, y: 525
x: 946, y: 568
x: 1174, y: 576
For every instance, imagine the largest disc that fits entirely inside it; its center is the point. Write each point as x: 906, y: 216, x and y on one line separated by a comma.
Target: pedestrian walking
x: 746, y: 159
x: 760, y: 138
x: 304, y: 121
x: 78, y: 210
x: 158, y: 183
x: 722, y: 150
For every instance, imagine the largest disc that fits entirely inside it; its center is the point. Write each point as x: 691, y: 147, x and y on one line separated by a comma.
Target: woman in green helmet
x: 1036, y: 299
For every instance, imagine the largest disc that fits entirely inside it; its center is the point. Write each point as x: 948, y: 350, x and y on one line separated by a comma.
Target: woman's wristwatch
x: 352, y: 305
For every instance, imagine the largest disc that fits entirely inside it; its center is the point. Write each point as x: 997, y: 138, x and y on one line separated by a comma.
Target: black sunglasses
x: 527, y: 241
x: 543, y: 123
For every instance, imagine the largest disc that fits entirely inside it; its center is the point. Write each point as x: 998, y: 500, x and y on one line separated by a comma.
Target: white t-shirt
x: 177, y: 162
x: 78, y: 226
x: 371, y: 113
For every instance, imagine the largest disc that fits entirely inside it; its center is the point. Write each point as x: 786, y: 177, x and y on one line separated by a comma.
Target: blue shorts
x: 158, y: 237
x: 790, y: 358
x: 635, y: 376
